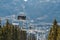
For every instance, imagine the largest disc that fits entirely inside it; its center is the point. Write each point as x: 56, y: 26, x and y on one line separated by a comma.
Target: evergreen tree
x: 6, y: 31
x: 7, y: 23
x: 23, y: 35
x: 53, y: 31
x: 0, y: 30
x: 31, y: 37
x: 16, y: 33
x: 0, y: 22
x: 58, y: 33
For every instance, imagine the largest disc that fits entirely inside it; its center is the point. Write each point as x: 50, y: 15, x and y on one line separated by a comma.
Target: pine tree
x: 7, y: 23
x: 58, y: 33
x: 7, y: 31
x: 0, y: 22
x: 0, y: 30
x: 31, y: 37
x: 53, y: 31
x: 23, y: 35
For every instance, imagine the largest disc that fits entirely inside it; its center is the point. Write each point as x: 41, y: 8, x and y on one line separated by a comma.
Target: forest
x: 11, y: 32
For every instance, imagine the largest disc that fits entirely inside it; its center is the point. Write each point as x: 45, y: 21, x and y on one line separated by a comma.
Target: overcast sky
x: 42, y: 10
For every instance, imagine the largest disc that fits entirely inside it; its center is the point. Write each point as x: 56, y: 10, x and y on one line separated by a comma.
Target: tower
x: 22, y: 19
x: 22, y: 16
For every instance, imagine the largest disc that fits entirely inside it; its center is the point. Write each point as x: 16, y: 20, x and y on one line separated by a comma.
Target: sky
x: 36, y: 10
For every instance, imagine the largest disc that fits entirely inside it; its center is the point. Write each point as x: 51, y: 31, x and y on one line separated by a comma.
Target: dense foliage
x: 10, y: 32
